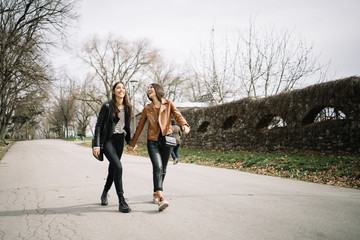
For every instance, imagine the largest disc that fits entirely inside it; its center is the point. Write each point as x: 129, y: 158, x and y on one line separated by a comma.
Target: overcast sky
x: 176, y: 27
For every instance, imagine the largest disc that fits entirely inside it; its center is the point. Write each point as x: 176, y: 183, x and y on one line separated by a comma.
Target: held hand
x: 186, y: 129
x: 96, y: 152
x: 129, y: 148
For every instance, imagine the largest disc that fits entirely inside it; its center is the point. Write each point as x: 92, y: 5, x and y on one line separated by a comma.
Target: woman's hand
x: 185, y: 129
x: 129, y: 148
x: 96, y: 152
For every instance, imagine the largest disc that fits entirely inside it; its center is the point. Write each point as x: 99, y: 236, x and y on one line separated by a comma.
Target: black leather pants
x: 159, y: 158
x: 113, y: 150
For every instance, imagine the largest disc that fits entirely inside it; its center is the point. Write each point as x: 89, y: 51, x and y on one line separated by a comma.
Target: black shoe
x: 123, y: 207
x: 104, y: 198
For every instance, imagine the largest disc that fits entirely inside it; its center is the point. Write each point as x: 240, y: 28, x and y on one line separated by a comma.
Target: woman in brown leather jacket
x: 159, y: 115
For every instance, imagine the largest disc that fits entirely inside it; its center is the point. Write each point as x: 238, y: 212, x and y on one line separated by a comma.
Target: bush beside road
x: 4, y: 148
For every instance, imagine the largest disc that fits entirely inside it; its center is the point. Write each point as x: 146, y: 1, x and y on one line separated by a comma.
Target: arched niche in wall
x: 203, y: 127
x: 271, y: 121
x: 323, y: 114
x: 229, y: 122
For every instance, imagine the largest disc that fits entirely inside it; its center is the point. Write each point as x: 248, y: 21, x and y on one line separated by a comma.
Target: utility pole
x: 133, y: 82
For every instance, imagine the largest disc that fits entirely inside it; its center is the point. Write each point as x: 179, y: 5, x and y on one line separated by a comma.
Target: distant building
x: 187, y: 105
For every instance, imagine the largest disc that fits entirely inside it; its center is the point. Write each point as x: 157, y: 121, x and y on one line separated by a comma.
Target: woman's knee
x: 116, y: 166
x: 157, y: 169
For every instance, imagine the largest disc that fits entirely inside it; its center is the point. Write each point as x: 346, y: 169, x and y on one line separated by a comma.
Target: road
x: 50, y: 189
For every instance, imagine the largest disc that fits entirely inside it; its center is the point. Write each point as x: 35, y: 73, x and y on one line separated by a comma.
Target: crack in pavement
x: 31, y: 220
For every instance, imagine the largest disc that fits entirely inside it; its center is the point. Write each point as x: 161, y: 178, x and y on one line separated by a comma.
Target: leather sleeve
x: 99, y: 127
x: 178, y: 116
x: 139, y: 128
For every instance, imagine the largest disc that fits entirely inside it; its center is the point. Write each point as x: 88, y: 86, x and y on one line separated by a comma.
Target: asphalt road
x: 50, y: 189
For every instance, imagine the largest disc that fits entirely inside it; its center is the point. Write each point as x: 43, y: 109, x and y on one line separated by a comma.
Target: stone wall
x: 243, y: 124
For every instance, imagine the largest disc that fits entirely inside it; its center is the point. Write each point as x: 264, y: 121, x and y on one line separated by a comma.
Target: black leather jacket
x: 105, y: 126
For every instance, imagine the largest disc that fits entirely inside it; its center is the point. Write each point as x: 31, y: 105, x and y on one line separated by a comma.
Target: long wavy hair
x: 159, y: 90
x: 126, y: 102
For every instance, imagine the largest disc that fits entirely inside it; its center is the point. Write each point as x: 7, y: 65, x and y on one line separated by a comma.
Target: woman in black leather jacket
x: 112, y: 127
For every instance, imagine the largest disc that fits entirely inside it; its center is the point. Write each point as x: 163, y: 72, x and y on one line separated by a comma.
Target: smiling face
x: 155, y: 92
x: 119, y: 91
x: 151, y: 92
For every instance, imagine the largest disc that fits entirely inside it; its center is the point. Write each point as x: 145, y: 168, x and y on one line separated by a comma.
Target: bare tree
x: 26, y: 116
x: 248, y: 68
x: 45, y: 127
x: 269, y: 62
x: 259, y: 63
x: 171, y: 77
x: 195, y: 89
x: 84, y: 109
x: 25, y: 27
x: 213, y: 71
x: 67, y: 110
x: 83, y: 116
x: 63, y: 112
x: 115, y: 59
x: 54, y: 124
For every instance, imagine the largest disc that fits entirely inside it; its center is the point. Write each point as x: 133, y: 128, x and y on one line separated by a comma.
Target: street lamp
x: 133, y: 82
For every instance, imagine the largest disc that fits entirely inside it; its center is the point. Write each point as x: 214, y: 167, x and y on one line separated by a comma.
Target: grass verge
x: 337, y: 170
x: 4, y: 148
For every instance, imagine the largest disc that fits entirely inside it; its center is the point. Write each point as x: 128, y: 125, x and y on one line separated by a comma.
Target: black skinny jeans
x: 159, y: 157
x: 113, y: 150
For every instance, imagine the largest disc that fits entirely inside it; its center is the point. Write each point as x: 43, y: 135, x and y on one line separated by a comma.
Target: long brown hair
x: 159, y: 90
x: 126, y: 102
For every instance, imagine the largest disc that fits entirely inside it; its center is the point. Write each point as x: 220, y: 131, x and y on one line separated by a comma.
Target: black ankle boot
x: 123, y: 207
x: 104, y: 198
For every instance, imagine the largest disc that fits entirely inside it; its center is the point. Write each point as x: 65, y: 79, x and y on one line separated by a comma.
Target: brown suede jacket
x: 163, y: 123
